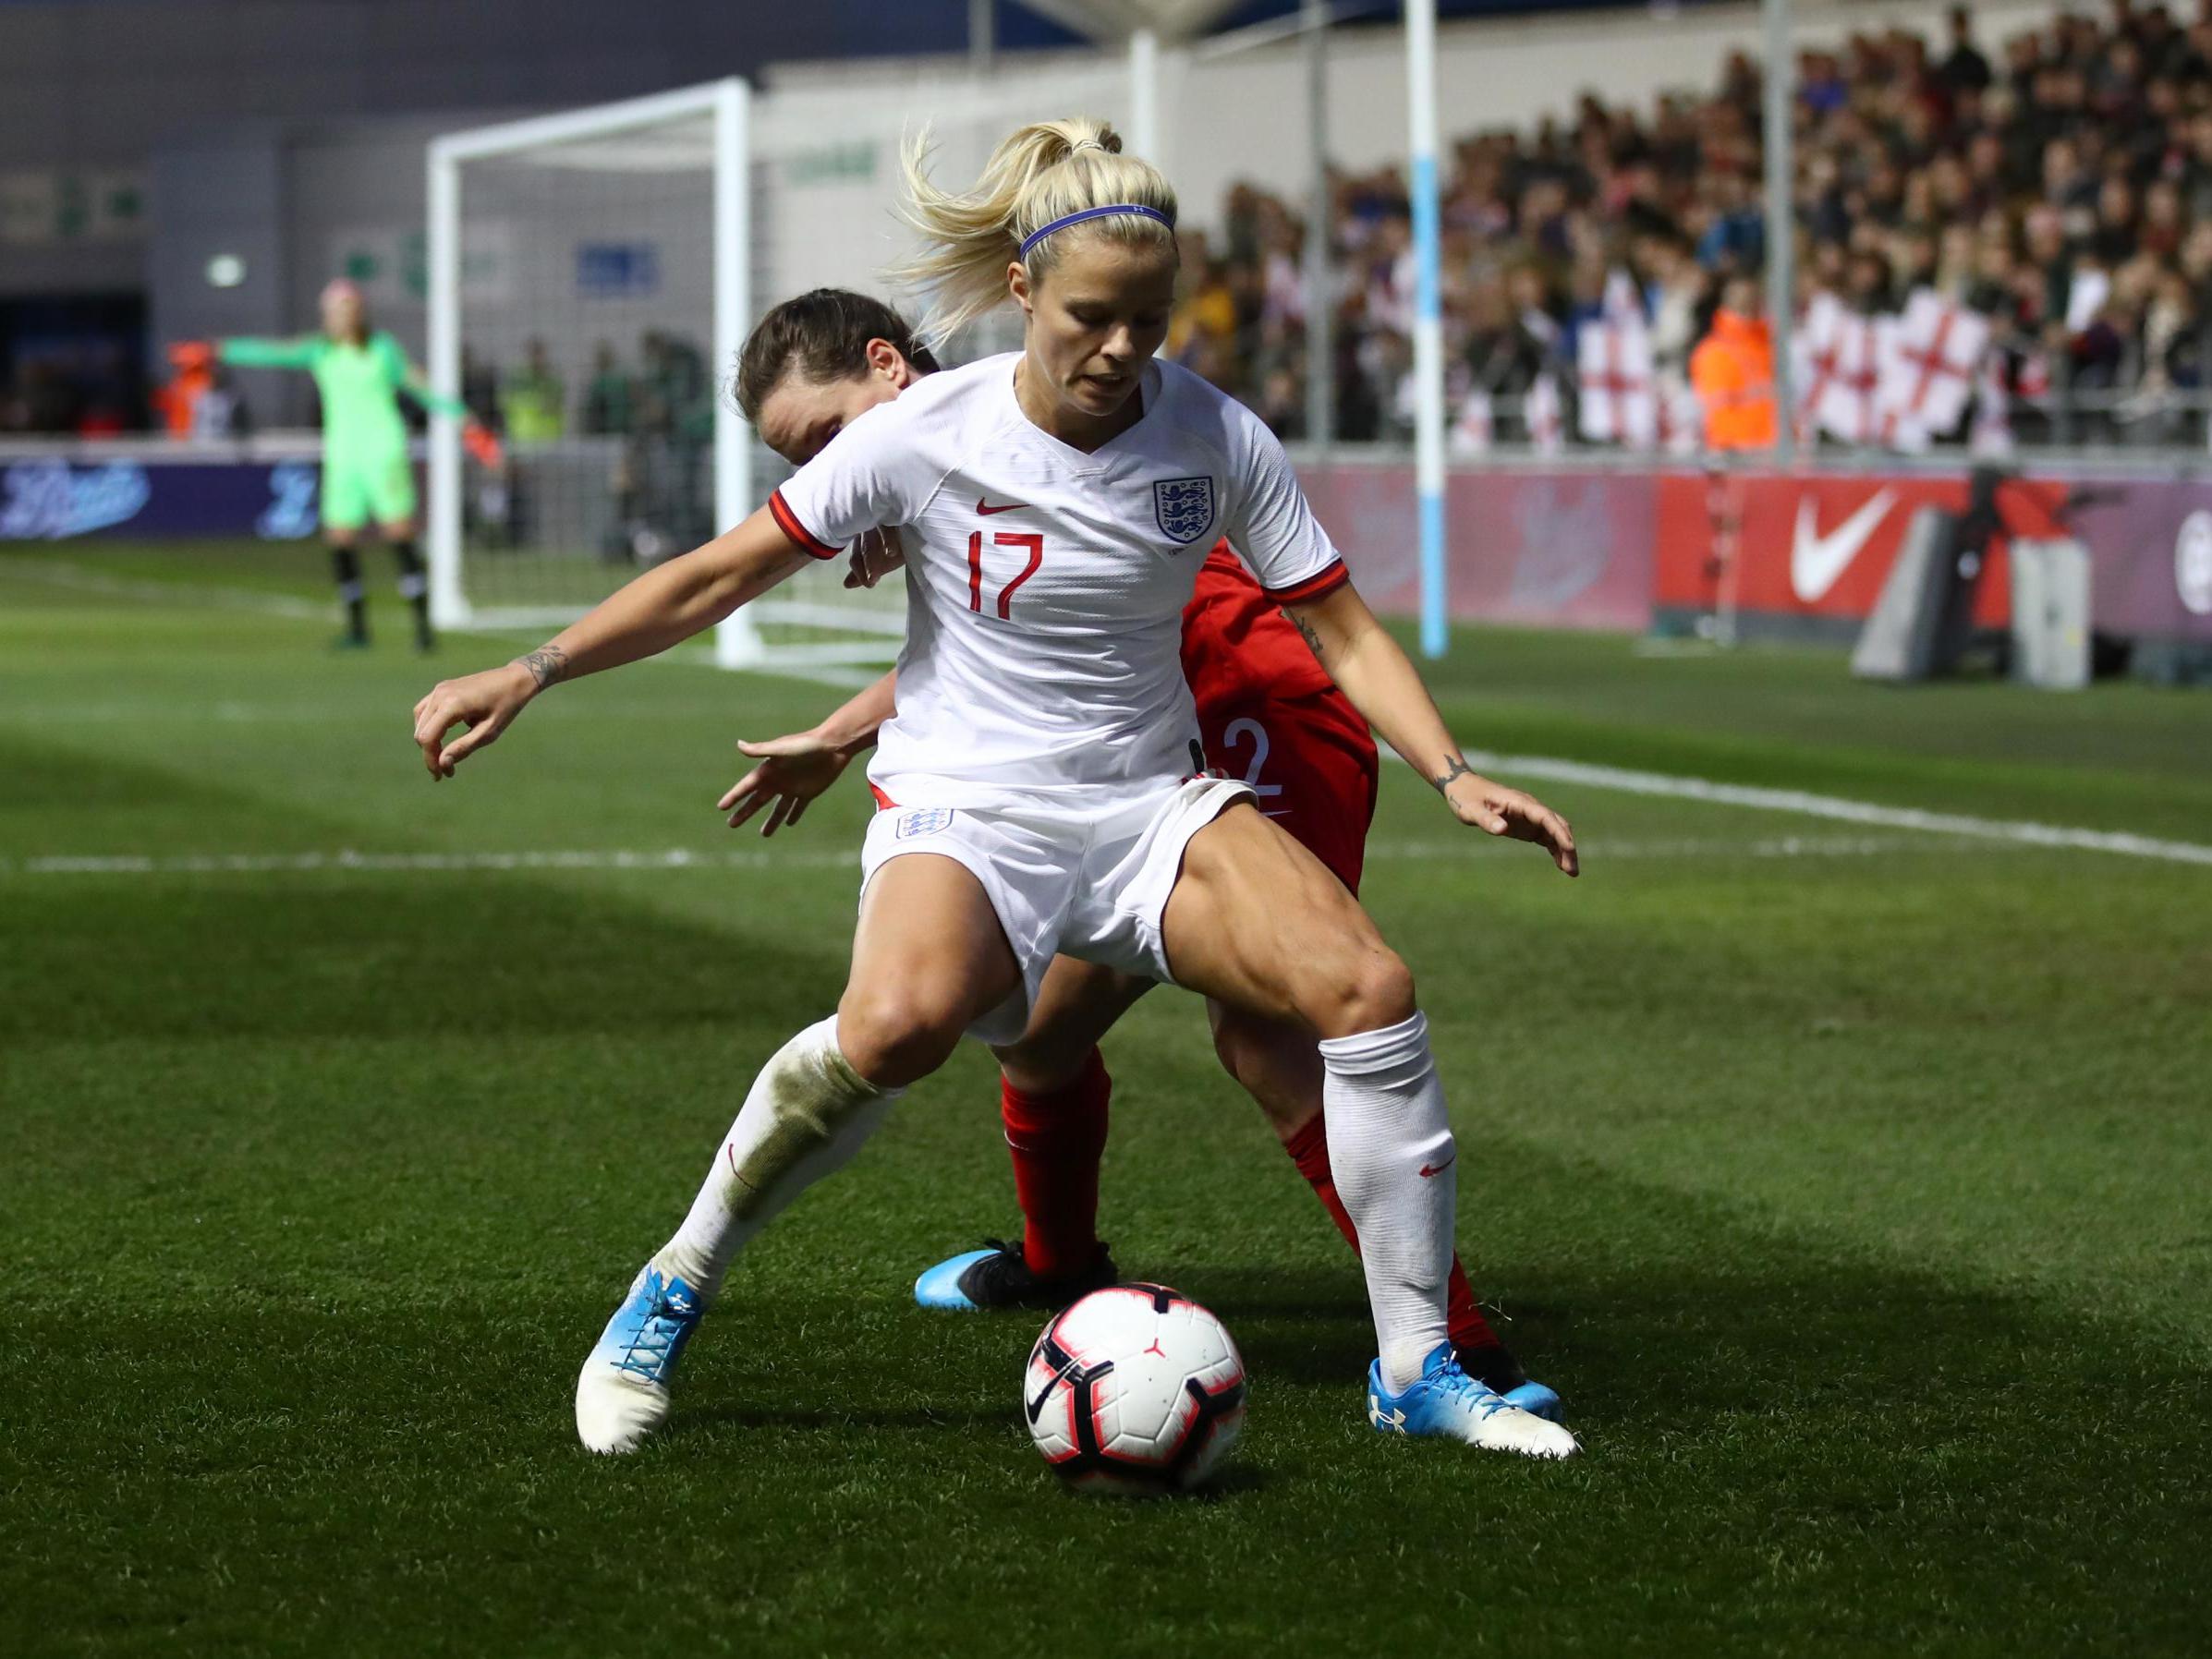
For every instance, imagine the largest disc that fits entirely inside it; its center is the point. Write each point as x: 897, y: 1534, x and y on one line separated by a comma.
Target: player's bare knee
x: 1363, y: 991
x: 893, y: 1038
x: 1383, y: 994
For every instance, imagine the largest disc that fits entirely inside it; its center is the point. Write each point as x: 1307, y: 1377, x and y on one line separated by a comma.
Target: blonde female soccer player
x: 1267, y: 710
x: 1044, y: 786
x: 367, y: 476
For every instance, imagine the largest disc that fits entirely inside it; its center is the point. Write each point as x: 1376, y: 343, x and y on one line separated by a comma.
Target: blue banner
x: 48, y: 499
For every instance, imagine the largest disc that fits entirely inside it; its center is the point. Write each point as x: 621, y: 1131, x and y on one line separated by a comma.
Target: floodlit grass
x: 1854, y: 1192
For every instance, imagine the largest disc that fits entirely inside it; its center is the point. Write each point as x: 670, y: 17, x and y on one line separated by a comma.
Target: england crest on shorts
x: 928, y: 820
x: 1183, y: 508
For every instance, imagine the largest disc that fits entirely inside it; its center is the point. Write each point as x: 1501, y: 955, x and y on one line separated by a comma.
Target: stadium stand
x: 2001, y: 244
x: 2057, y: 188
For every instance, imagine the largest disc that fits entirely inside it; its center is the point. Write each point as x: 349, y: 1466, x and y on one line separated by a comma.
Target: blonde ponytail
x: 1041, y: 172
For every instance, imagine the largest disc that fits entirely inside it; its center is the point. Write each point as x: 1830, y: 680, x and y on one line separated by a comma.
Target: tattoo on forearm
x: 1454, y: 769
x: 547, y: 664
x: 1313, y: 640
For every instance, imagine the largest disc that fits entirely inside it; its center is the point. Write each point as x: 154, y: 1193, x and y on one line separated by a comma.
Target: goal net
x: 592, y: 274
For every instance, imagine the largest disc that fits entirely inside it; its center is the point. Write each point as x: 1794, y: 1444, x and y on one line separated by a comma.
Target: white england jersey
x: 1046, y: 586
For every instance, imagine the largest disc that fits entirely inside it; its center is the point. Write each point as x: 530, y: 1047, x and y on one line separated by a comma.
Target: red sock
x: 1057, y: 1141
x: 1309, y: 1150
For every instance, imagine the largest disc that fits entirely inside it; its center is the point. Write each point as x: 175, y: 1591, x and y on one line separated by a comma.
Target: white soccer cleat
x: 1445, y: 1401
x: 621, y: 1395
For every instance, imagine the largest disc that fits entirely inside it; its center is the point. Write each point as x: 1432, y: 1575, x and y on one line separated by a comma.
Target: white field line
x: 839, y: 678
x: 1779, y: 846
x: 346, y: 860
x: 289, y: 608
x: 2021, y: 832
x: 55, y: 574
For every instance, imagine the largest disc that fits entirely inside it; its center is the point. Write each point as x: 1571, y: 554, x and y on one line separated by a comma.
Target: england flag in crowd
x: 1619, y: 401
x: 1844, y: 352
x: 1936, y: 352
x: 1474, y: 430
x: 1621, y: 396
x: 1899, y: 381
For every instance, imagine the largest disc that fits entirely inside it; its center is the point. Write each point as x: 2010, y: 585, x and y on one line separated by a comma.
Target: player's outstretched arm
x: 478, y: 437
x: 794, y: 769
x: 1385, y: 687
x: 246, y: 352
x: 665, y: 606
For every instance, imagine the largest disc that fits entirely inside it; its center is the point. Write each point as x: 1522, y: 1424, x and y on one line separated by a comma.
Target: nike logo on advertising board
x: 1009, y: 507
x: 1816, y: 561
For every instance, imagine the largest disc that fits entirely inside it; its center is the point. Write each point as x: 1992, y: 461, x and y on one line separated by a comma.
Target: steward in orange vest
x: 1733, y: 373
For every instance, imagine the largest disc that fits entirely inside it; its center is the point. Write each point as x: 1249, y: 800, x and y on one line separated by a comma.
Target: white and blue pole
x: 1144, y: 96
x: 1429, y: 325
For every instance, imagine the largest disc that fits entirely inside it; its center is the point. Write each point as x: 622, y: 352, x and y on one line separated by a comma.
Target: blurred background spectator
x: 2067, y: 196
x: 2058, y: 182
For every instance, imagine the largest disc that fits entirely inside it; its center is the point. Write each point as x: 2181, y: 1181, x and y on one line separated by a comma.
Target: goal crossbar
x: 591, y: 139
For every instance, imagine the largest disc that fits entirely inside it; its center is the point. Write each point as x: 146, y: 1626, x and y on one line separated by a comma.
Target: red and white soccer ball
x: 1135, y: 1389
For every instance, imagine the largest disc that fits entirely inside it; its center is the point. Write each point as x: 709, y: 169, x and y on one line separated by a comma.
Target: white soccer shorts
x: 1091, y: 883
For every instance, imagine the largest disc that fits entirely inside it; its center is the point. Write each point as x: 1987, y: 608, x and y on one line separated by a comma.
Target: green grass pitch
x: 1850, y: 1183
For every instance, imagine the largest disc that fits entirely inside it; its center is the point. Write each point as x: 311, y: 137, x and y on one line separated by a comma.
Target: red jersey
x: 1238, y: 648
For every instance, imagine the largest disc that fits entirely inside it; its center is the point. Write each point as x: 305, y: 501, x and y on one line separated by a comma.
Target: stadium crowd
x: 2062, y: 187
x: 2059, y: 187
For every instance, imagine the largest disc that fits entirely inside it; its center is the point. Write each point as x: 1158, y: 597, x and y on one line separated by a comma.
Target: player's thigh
x: 929, y: 958
x: 391, y: 490
x: 1258, y: 922
x: 346, y: 507
x: 1077, y: 1004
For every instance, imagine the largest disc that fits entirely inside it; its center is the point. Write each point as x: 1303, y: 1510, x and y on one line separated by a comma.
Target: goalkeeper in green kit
x: 367, y: 476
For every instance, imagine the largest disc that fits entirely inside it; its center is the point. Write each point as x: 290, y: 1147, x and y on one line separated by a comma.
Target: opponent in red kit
x: 1268, y: 713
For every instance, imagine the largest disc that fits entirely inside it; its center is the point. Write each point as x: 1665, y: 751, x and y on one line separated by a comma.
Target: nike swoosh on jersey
x: 1009, y: 507
x: 1816, y: 561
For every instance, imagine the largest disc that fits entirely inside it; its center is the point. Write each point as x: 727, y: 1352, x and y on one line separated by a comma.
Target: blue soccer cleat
x: 1536, y: 1400
x: 1447, y: 1403
x: 621, y: 1395
x: 940, y: 1287
x: 1494, y: 1366
x: 998, y: 1277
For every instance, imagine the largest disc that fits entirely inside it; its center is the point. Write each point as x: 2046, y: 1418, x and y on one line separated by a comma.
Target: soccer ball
x: 1135, y: 1389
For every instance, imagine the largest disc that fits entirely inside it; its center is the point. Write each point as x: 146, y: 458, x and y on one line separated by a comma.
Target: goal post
x: 618, y: 192
x: 656, y: 231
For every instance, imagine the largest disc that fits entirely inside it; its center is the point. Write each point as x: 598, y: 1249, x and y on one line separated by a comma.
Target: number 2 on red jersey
x: 1034, y: 543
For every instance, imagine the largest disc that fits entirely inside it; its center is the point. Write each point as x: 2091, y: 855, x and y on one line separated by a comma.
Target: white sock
x: 807, y: 1114
x: 1391, y: 1149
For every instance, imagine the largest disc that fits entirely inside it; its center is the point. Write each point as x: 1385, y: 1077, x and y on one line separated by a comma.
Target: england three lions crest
x: 1183, y: 508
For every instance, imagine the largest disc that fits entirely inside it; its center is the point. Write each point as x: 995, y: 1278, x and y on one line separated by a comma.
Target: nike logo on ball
x: 1816, y: 561
x: 1036, y: 1406
x: 1009, y: 507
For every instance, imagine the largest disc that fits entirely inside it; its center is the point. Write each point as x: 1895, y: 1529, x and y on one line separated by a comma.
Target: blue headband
x: 1035, y: 237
